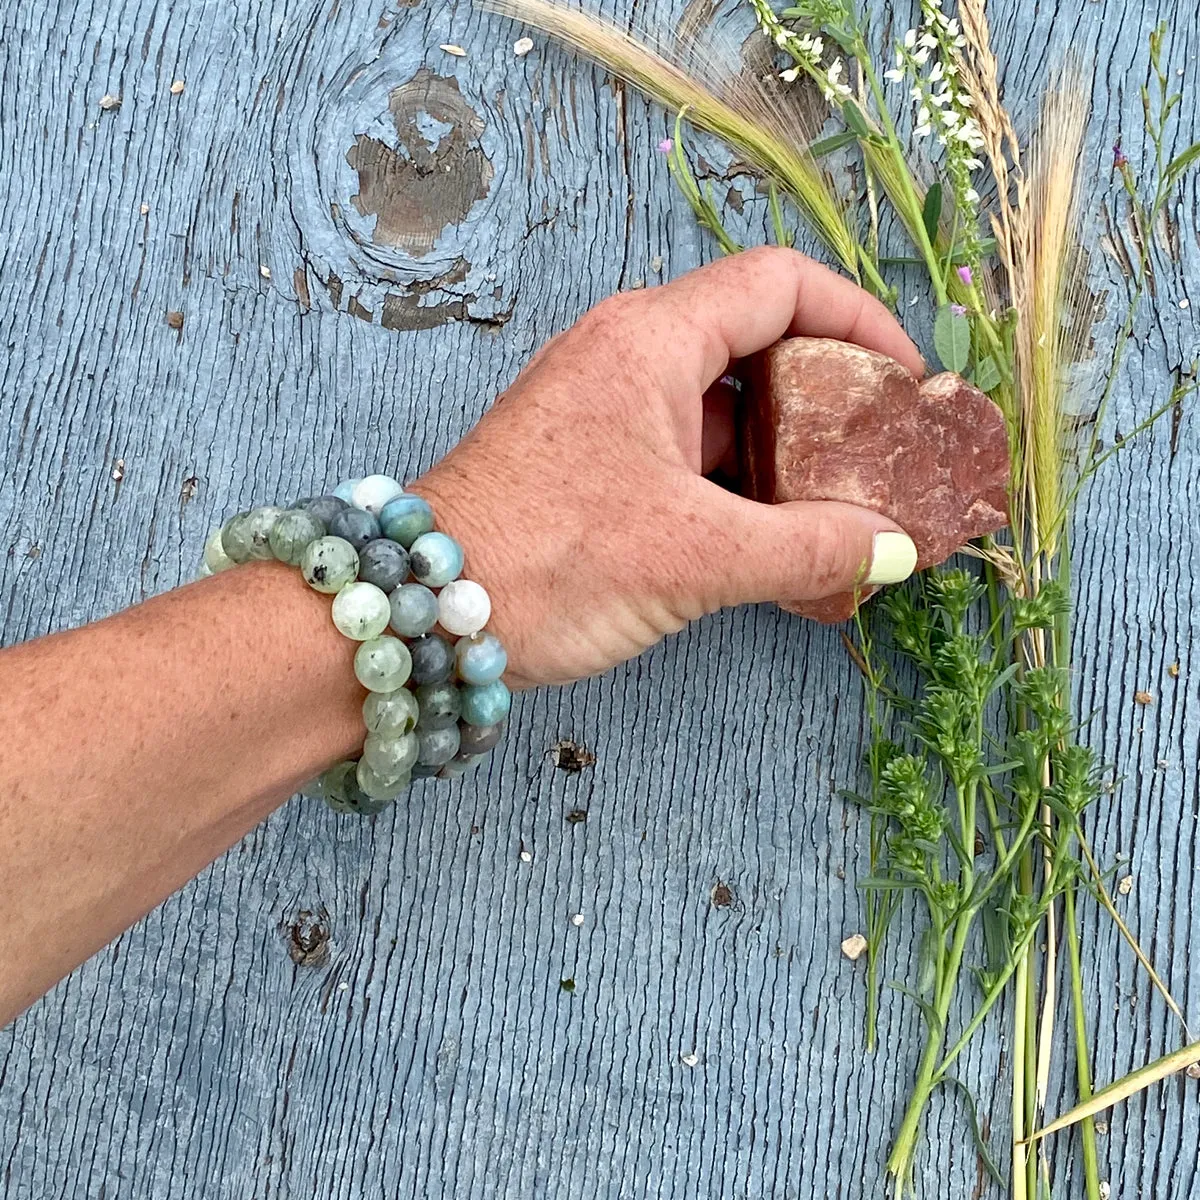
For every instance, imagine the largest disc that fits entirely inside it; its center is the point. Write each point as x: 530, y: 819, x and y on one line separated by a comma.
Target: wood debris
x: 451, y: 48
x: 690, y: 1059
x: 854, y: 947
x: 1126, y: 885
x: 1173, y: 670
x: 118, y: 470
x: 108, y: 102
x: 177, y: 87
x: 175, y: 319
x: 1143, y: 698
x: 264, y: 271
x: 522, y: 46
x: 144, y: 210
x: 572, y: 757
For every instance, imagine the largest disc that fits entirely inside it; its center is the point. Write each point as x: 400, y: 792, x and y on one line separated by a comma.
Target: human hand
x: 581, y: 498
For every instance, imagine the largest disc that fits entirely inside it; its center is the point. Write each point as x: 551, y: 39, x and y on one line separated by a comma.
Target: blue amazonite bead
x: 361, y: 611
x: 356, y: 526
x: 435, y: 559
x: 439, y: 704
x: 345, y: 489
x: 328, y: 564
x: 405, y: 518
x: 414, y: 610
x: 433, y: 659
x: 383, y: 563
x: 382, y: 664
x: 480, y: 659
x: 485, y: 705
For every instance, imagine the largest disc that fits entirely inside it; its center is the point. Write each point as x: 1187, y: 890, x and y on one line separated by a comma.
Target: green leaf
x: 927, y: 1009
x: 1179, y: 164
x: 931, y: 212
x: 952, y: 338
x: 981, y: 1147
x: 830, y: 144
x: 853, y: 117
x: 987, y: 373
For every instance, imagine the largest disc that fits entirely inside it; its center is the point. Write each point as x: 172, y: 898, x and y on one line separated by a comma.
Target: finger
x: 718, y: 436
x: 745, y: 302
x: 807, y: 550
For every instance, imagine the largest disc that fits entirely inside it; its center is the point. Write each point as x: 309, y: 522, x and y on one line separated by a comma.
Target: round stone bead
x: 361, y: 611
x: 391, y: 713
x: 383, y: 563
x: 293, y: 533
x: 341, y: 791
x: 433, y: 659
x: 479, y: 739
x: 324, y: 508
x: 329, y: 564
x: 390, y: 757
x: 356, y: 526
x: 436, y: 746
x: 463, y: 607
x: 380, y: 787
x: 373, y: 492
x: 405, y: 518
x: 382, y: 664
x: 460, y: 765
x: 215, y: 558
x: 485, y: 705
x: 235, y: 539
x: 439, y: 704
x: 259, y: 523
x: 480, y: 659
x: 435, y: 559
x: 345, y: 489
x: 426, y: 771
x: 414, y: 609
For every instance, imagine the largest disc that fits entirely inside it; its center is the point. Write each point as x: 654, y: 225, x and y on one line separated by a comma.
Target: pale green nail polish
x: 894, y: 557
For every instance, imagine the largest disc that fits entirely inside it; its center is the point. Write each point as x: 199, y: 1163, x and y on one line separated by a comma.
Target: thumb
x: 805, y: 550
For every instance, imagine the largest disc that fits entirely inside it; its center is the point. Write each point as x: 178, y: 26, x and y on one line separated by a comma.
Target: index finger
x: 744, y: 303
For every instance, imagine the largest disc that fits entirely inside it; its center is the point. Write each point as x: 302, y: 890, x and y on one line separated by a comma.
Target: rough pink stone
x: 825, y: 420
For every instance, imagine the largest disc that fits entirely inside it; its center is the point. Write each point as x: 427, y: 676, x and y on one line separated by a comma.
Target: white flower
x: 973, y: 164
x: 921, y: 57
x: 971, y: 196
x: 965, y: 101
x: 951, y: 70
x: 952, y: 27
x: 923, y: 116
x: 922, y: 131
x: 910, y: 39
x: 817, y: 47
x: 951, y: 118
x: 781, y: 38
x: 928, y: 41
x: 835, y: 70
x: 894, y: 76
x: 790, y: 75
x: 940, y: 100
x: 960, y: 42
x: 936, y: 72
x: 916, y: 93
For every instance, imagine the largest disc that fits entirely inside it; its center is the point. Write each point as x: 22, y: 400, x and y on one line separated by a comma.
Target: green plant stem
x: 1083, y: 1073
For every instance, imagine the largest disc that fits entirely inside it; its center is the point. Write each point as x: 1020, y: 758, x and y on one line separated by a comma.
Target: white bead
x: 361, y: 611
x: 463, y: 607
x: 373, y: 492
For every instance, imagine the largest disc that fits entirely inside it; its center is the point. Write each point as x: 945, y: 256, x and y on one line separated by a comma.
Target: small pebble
x: 293, y: 533
x: 1193, y: 1072
x: 175, y: 319
x: 374, y: 492
x: 486, y: 705
x: 522, y: 46
x: 577, y: 920
x: 440, y: 705
x: 1173, y: 670
x: 437, y: 746
x: 656, y: 264
x: 405, y: 519
x: 144, y: 210
x: 1143, y: 698
x: 383, y: 563
x: 391, y: 713
x: 382, y: 664
x: 1185, y: 304
x: 525, y: 856
x: 690, y: 1059
x: 328, y: 564
x: 360, y: 611
x: 435, y: 559
x: 1125, y: 886
x: 264, y: 270
x: 118, y: 470
x: 414, y: 609
x: 108, y: 102
x: 854, y: 947
x: 177, y: 87
x: 357, y: 526
x: 433, y: 659
x: 463, y: 607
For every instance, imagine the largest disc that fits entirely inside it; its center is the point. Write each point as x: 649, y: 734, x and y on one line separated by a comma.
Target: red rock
x: 825, y: 420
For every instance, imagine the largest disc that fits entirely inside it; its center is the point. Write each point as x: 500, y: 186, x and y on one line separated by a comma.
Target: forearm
x: 138, y: 749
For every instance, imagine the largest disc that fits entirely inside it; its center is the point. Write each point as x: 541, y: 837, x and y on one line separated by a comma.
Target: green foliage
x: 952, y: 337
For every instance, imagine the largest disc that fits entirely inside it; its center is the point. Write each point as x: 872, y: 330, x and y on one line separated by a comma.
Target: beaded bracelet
x: 434, y: 707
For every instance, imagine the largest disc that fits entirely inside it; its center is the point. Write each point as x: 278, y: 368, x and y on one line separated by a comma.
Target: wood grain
x: 434, y: 1052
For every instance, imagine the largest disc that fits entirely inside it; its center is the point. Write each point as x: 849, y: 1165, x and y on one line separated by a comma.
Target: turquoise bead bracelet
x: 434, y: 706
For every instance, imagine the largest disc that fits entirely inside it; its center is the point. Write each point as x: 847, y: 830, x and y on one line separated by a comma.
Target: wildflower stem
x: 1083, y: 1073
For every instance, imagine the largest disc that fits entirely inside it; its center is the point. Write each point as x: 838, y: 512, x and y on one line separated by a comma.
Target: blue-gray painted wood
x: 433, y: 1052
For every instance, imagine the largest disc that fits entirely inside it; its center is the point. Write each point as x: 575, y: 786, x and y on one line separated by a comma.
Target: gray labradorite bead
x: 235, y: 539
x: 356, y: 526
x: 259, y: 523
x: 433, y: 659
x: 479, y: 739
x: 390, y: 757
x: 391, y: 713
x: 426, y: 770
x: 380, y: 787
x: 329, y: 564
x: 293, y: 533
x: 436, y: 746
x: 383, y: 563
x: 460, y: 765
x: 414, y: 610
x: 324, y: 508
x: 439, y: 704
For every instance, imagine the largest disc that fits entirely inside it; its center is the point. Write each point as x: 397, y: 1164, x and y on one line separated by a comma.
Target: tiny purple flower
x: 666, y: 146
x: 964, y: 273
x: 1119, y: 157
x: 959, y: 310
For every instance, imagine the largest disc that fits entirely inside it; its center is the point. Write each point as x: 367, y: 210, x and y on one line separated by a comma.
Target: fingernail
x: 893, y: 558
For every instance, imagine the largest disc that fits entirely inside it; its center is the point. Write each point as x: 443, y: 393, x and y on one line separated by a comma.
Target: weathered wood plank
x: 431, y: 1049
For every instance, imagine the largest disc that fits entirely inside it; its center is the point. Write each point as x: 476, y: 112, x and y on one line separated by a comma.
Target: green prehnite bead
x: 382, y: 664
x: 235, y: 539
x: 329, y: 564
x: 380, y: 787
x: 293, y: 533
x: 259, y: 523
x: 391, y: 713
x: 340, y: 789
x: 215, y: 558
x: 361, y: 611
x: 390, y: 757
